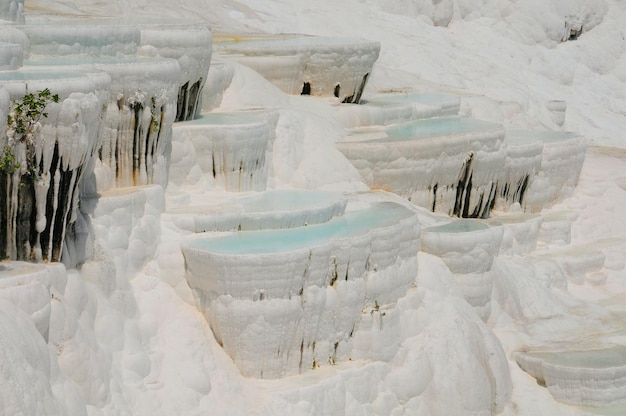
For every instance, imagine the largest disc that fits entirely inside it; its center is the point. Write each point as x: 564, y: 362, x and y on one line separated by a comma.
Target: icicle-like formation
x: 41, y: 184
x: 322, y: 66
x: 523, y: 162
x: 12, y: 10
x: 280, y: 301
x: 192, y: 46
x: 561, y: 163
x: 138, y: 132
x: 448, y: 165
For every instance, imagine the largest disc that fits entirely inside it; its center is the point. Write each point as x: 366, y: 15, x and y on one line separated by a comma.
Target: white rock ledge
x: 581, y: 378
x: 231, y: 151
x: 322, y: 66
x: 279, y: 301
x: 267, y: 210
x: 11, y: 56
x: 468, y: 248
x: 561, y: 163
x: 444, y: 104
x: 520, y: 232
x: 81, y: 38
x: 447, y: 165
x: 60, y: 154
x: 30, y: 287
x: 191, y: 45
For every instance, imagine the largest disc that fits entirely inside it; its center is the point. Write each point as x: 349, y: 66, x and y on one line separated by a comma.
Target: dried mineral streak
x: 448, y: 165
x: 561, y: 163
x: 468, y: 248
x: 42, y: 193
x: 191, y: 46
x: 231, y: 150
x: 321, y: 66
x: 522, y: 165
x: 282, y: 301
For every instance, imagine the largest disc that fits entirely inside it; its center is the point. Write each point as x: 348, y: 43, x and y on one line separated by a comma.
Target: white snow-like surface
x: 132, y: 343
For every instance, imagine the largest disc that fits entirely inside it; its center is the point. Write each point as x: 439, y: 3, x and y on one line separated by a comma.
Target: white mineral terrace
x: 11, y: 56
x: 595, y: 377
x: 520, y: 232
x: 219, y: 79
x: 407, y: 159
x: 228, y: 151
x: 59, y: 153
x: 324, y: 66
x: 267, y: 210
x: 12, y: 10
x: 281, y: 300
x: 561, y: 162
x: 446, y: 104
x: 29, y: 287
x: 372, y: 113
x: 468, y: 248
x: 523, y: 163
x: 191, y: 45
x: 80, y: 38
x: 139, y: 118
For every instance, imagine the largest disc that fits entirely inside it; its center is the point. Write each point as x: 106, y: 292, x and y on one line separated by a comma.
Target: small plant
x: 27, y: 112
x: 23, y: 122
x: 8, y: 164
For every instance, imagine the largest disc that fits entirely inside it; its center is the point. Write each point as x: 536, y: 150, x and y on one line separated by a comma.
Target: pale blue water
x: 435, y: 127
x: 459, y: 226
x: 280, y: 241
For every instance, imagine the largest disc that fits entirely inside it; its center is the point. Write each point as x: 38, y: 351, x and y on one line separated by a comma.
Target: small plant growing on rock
x: 23, y: 121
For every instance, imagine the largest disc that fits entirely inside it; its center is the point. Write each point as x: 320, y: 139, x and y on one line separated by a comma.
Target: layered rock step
x: 11, y: 56
x: 275, y: 209
x: 447, y: 165
x: 397, y: 108
x: 158, y: 72
x: 280, y: 301
x: 321, y: 66
x: 43, y: 168
x: 468, y: 248
x: 228, y: 151
x: 520, y: 232
x: 594, y: 377
x: 139, y: 117
x: 562, y: 159
x: 31, y: 288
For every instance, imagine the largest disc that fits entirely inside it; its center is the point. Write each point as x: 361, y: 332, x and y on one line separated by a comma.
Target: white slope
x: 143, y: 348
